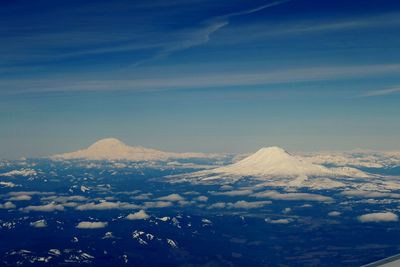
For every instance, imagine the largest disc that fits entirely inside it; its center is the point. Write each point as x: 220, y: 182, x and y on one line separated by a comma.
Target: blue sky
x: 212, y: 76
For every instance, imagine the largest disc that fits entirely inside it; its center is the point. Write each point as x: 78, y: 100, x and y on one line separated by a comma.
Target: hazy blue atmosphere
x: 207, y: 76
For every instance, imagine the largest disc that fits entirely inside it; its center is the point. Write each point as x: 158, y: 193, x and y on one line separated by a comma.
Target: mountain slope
x: 114, y: 149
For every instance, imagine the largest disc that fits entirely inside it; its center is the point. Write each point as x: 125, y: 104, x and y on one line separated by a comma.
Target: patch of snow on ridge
x: 114, y: 149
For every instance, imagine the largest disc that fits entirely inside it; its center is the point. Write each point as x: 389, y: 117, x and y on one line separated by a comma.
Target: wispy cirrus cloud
x: 252, y: 31
x: 205, y: 79
x: 381, y: 92
x: 40, y: 42
x: 201, y: 35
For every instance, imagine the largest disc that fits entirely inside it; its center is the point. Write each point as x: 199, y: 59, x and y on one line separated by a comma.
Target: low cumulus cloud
x: 91, y: 225
x: 20, y: 198
x: 378, y: 217
x: 191, y: 193
x: 248, y: 205
x: 201, y: 198
x: 293, y: 196
x: 226, y: 187
x: 369, y: 194
x: 22, y: 172
x: 44, y: 208
x: 105, y: 205
x: 157, y: 204
x: 142, y: 196
x: 64, y: 199
x: 286, y: 210
x: 8, y: 184
x: 39, y: 224
x: 278, y: 221
x: 8, y: 205
x: 140, y: 215
x: 30, y: 193
x: 217, y: 205
x: 234, y: 193
x: 241, y: 204
x: 334, y: 214
x: 71, y: 204
x: 172, y: 197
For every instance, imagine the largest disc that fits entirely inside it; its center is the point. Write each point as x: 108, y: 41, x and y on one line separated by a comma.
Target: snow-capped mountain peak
x: 114, y: 149
x: 273, y: 161
x: 272, y: 153
x: 108, y: 143
x: 277, y: 167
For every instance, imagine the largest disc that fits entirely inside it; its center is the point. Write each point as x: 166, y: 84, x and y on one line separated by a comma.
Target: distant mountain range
x: 269, y: 166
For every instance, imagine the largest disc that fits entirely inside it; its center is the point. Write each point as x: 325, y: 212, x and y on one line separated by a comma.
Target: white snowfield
x: 114, y: 149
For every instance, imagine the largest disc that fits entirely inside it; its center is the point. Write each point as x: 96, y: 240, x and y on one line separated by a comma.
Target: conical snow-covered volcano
x: 114, y: 149
x: 278, y: 168
x: 273, y: 161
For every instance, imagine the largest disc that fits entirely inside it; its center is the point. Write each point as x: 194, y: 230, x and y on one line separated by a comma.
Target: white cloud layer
x: 44, y: 208
x: 7, y: 205
x: 241, y: 204
x: 379, y: 217
x: 217, y: 205
x: 39, y: 224
x: 105, y: 205
x: 7, y: 184
x: 369, y: 194
x: 20, y: 198
x: 201, y: 198
x: 293, y: 196
x: 30, y: 193
x: 233, y: 193
x: 172, y: 197
x: 22, y: 172
x: 278, y: 221
x: 91, y: 225
x: 140, y: 215
x: 248, y: 205
x: 64, y: 199
x: 334, y: 213
x: 157, y: 204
